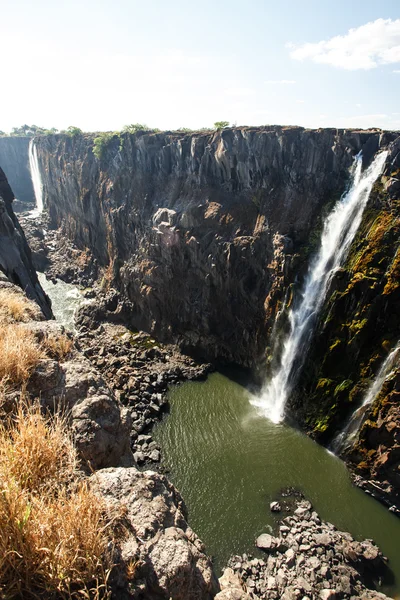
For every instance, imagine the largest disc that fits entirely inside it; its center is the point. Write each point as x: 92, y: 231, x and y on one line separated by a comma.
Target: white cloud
x: 280, y: 82
x: 365, y: 47
x: 396, y: 71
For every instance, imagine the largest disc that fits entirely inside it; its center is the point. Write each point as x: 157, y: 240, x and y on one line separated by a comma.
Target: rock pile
x: 139, y: 371
x: 311, y: 560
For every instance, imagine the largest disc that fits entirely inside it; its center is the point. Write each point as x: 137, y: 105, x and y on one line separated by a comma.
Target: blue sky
x: 102, y: 64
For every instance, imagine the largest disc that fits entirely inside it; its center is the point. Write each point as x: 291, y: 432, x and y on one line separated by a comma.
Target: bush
x: 135, y: 127
x: 101, y: 142
x: 73, y: 131
x: 221, y: 125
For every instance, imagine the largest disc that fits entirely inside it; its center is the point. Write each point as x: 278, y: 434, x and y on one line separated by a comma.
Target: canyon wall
x: 15, y: 255
x: 203, y: 232
x: 210, y: 235
x: 14, y: 160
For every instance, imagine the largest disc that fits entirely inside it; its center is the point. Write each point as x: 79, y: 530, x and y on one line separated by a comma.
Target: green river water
x: 229, y: 463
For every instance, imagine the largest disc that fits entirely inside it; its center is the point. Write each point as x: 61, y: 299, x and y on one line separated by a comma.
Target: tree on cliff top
x: 221, y: 125
x: 73, y: 131
x: 135, y: 127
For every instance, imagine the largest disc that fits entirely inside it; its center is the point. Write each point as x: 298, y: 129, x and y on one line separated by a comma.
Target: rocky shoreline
x: 311, y: 560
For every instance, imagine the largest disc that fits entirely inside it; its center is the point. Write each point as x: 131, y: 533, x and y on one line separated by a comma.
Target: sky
x: 103, y: 64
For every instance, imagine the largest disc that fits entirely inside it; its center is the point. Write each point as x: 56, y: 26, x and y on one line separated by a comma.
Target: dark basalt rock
x: 14, y: 160
x: 15, y: 255
x: 201, y: 232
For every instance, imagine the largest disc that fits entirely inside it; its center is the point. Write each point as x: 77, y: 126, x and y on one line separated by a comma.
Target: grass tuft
x: 57, y: 346
x: 52, y: 527
x: 19, y: 354
x: 14, y: 307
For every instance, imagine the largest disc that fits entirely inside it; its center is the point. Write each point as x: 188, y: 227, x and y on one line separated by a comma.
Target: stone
x: 158, y: 534
x: 139, y: 457
x: 155, y: 455
x: 275, y: 507
x: 327, y: 594
x: 322, y: 539
x: 266, y: 542
x: 290, y: 557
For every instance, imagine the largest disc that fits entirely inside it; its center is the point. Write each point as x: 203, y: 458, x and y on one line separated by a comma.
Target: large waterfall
x: 36, y: 178
x: 338, y: 233
x: 345, y: 437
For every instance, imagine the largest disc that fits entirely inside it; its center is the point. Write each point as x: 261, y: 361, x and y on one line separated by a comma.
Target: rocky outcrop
x: 136, y: 367
x: 15, y: 256
x: 14, y: 160
x: 159, y: 557
x: 311, y: 559
x: 224, y: 216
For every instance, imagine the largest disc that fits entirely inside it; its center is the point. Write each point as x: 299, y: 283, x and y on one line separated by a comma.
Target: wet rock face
x: 358, y: 328
x: 199, y: 230
x: 310, y: 559
x: 15, y: 255
x: 14, y: 160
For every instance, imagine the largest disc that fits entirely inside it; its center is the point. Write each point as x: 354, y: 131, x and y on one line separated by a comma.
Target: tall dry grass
x: 14, y: 307
x: 57, y: 346
x: 19, y: 353
x: 52, y: 527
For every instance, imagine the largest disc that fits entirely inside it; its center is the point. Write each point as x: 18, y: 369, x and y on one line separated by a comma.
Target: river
x: 229, y: 463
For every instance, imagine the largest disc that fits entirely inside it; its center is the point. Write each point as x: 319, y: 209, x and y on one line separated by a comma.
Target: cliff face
x: 14, y: 160
x: 15, y: 255
x: 204, y: 231
x: 359, y: 327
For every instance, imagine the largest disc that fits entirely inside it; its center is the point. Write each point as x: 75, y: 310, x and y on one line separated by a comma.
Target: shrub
x: 135, y: 127
x: 101, y: 142
x: 221, y: 125
x: 73, y: 131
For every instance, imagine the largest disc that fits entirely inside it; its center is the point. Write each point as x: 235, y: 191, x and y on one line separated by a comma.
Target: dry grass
x: 14, y: 307
x: 19, y: 354
x: 52, y: 530
x: 57, y: 346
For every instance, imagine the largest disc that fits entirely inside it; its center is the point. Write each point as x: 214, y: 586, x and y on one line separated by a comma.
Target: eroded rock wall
x: 202, y: 232
x: 15, y: 255
x: 14, y: 160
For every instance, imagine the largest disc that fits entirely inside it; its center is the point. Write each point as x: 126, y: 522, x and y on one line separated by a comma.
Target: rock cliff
x: 209, y: 236
x: 15, y: 255
x: 14, y: 160
x: 202, y: 232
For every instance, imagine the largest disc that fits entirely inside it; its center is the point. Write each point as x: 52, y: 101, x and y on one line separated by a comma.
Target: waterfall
x: 36, y: 178
x: 338, y: 233
x: 345, y: 437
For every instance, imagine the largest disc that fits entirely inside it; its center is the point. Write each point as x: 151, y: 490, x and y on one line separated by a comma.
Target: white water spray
x: 338, y: 233
x: 349, y: 433
x: 36, y: 179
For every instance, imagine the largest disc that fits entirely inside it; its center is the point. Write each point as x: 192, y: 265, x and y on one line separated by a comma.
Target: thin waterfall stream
x: 339, y: 230
x: 36, y: 179
x: 349, y: 433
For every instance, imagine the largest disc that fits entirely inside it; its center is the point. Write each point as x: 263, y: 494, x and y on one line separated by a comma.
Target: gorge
x: 210, y: 240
